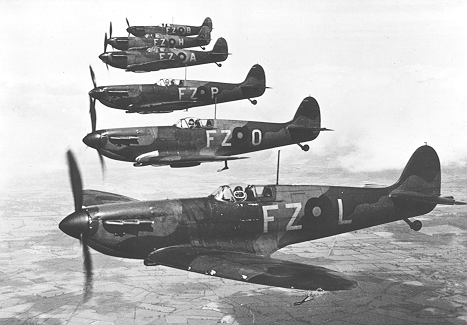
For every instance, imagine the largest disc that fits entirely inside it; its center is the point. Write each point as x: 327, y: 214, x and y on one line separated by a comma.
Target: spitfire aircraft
x: 169, y: 29
x: 192, y: 141
x: 160, y: 40
x: 168, y: 95
x: 232, y: 232
x: 158, y: 58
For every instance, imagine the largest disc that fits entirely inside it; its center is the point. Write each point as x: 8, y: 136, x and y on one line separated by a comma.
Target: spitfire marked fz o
x: 169, y: 29
x: 192, y: 141
x: 158, y: 58
x: 168, y: 95
x: 232, y: 236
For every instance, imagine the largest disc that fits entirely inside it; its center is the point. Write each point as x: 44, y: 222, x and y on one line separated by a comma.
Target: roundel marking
x: 182, y: 56
x: 202, y: 93
x: 171, y: 42
x: 240, y: 135
x: 181, y: 30
x: 316, y: 211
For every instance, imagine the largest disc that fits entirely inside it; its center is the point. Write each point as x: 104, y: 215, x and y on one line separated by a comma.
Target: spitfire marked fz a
x: 232, y: 232
x: 169, y: 29
x: 168, y: 95
x: 158, y: 58
x: 160, y: 40
x: 193, y: 141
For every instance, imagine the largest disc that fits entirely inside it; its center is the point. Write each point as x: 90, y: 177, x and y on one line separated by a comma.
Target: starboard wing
x: 156, y: 159
x: 249, y: 268
x: 93, y: 197
x: 163, y: 106
x: 148, y: 66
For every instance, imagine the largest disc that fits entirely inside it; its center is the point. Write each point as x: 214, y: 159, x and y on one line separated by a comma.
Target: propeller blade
x: 110, y: 30
x: 105, y: 43
x: 93, y: 77
x: 75, y: 180
x: 102, y: 161
x: 127, y: 22
x: 87, y: 268
x: 92, y: 112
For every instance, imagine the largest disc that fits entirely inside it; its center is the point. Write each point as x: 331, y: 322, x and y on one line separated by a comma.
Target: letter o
x: 256, y: 137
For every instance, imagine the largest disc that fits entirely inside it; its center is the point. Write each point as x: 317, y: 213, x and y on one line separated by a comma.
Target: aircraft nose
x: 105, y: 57
x: 96, y: 92
x: 75, y: 224
x: 93, y: 140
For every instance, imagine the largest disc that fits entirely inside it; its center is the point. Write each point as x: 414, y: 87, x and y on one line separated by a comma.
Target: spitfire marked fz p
x: 169, y: 29
x: 192, y: 141
x: 232, y: 232
x: 160, y: 40
x: 158, y: 58
x: 168, y: 95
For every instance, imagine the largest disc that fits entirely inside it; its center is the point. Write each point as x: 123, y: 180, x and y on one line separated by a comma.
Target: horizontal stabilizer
x: 297, y: 127
x: 93, y: 197
x: 416, y: 196
x: 249, y: 268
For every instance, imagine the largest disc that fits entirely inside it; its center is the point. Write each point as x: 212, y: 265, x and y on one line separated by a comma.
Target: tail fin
x: 306, y: 124
x: 255, y: 82
x: 220, y: 50
x: 421, y: 179
x: 204, y: 34
x: 208, y: 23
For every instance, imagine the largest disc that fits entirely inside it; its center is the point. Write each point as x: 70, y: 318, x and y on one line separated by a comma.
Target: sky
x: 388, y: 75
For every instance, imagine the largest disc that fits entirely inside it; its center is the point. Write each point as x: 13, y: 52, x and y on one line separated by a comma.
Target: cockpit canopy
x: 242, y: 192
x: 169, y: 82
x: 194, y: 123
x: 156, y: 49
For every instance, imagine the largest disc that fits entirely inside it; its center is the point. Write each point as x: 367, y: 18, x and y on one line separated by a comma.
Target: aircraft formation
x: 232, y: 232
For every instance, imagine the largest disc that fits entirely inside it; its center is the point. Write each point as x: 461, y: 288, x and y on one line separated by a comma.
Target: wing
x: 163, y: 106
x: 153, y: 158
x: 93, y: 197
x: 416, y: 196
x: 149, y: 66
x: 249, y: 268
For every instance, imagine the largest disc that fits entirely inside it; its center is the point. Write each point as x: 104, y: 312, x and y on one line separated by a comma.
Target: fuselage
x: 190, y: 93
x: 158, y: 58
x: 180, y: 42
x: 271, y: 217
x: 210, y: 138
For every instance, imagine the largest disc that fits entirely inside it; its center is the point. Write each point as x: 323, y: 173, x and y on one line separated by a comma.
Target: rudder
x: 422, y: 174
x: 208, y: 23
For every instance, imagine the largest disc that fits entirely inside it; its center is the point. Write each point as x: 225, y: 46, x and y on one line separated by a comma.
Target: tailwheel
x: 415, y: 225
x: 304, y: 147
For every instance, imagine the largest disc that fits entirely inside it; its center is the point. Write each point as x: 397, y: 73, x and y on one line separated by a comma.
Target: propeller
x: 128, y: 23
x: 92, y: 113
x: 105, y: 49
x: 76, y: 220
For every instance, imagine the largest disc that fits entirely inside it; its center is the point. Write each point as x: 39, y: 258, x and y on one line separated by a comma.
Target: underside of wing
x: 420, y: 197
x: 163, y: 106
x: 93, y: 197
x: 181, y: 160
x: 151, y: 66
x: 250, y: 268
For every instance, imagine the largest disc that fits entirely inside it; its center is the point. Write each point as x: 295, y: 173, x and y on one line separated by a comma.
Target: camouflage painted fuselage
x: 155, y: 58
x: 179, y: 42
x: 153, y: 98
x: 170, y: 29
x: 223, y: 138
x: 260, y: 225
